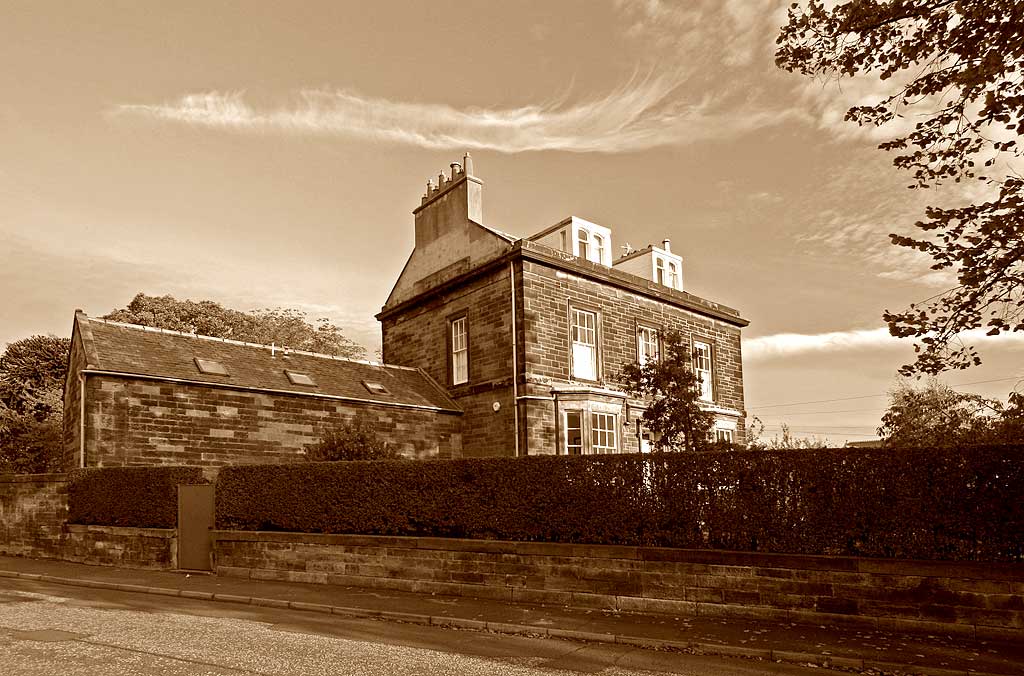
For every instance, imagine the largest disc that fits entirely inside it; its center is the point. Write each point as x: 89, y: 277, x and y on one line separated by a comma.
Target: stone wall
x: 32, y: 512
x: 982, y: 600
x: 154, y: 548
x: 131, y: 421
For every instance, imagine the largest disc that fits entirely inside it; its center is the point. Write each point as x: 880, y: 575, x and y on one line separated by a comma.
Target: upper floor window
x: 659, y: 270
x: 603, y: 432
x: 583, y: 338
x: 673, y: 276
x: 599, y: 248
x: 702, y: 366
x: 646, y: 345
x: 460, y: 351
x: 583, y: 242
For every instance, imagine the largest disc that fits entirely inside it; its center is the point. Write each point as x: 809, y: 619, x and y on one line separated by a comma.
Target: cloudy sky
x: 267, y: 154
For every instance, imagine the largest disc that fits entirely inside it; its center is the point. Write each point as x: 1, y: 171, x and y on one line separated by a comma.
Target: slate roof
x: 144, y: 351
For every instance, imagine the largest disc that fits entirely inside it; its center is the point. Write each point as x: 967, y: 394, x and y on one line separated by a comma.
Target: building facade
x: 529, y: 335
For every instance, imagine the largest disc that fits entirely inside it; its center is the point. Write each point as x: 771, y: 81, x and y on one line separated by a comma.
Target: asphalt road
x: 52, y: 629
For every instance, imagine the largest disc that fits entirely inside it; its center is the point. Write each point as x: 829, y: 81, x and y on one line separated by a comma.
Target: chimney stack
x: 455, y: 200
x: 666, y: 244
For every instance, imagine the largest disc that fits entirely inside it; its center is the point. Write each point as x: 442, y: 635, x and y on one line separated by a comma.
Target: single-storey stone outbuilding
x: 142, y: 396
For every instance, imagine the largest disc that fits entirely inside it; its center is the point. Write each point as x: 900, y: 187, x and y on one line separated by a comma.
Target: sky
x: 266, y: 154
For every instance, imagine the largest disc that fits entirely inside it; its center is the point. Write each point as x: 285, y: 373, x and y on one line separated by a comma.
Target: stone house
x: 528, y: 335
x: 141, y: 396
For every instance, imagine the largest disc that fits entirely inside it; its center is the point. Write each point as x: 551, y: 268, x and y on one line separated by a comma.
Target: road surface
x: 53, y: 629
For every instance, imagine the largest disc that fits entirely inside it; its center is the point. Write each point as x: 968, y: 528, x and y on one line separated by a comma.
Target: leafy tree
x: 935, y: 416
x: 957, y: 66
x: 285, y: 327
x: 31, y: 393
x: 674, y: 392
x: 781, y: 441
x: 356, y: 439
x: 30, y: 368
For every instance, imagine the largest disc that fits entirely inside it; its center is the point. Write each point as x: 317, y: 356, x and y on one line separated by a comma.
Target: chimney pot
x: 456, y: 169
x: 467, y: 164
x: 666, y: 244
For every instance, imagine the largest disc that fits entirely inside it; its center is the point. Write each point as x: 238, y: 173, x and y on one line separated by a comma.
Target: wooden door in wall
x: 195, y: 526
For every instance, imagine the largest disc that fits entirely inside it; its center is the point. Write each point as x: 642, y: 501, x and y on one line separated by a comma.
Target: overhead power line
x: 872, y: 396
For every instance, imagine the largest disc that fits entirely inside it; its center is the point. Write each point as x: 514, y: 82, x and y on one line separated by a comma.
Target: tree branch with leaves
x: 958, y: 66
x: 673, y: 390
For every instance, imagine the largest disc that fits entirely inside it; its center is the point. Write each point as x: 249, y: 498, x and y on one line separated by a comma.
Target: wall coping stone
x: 32, y: 478
x: 719, y: 557
x: 165, y: 533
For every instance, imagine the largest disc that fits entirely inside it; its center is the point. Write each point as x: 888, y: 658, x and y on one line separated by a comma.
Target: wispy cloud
x: 645, y: 112
x: 783, y: 345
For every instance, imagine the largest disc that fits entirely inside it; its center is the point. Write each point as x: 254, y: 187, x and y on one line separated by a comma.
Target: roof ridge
x: 231, y: 341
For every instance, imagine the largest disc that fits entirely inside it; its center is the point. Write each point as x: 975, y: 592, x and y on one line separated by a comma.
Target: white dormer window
x: 593, y: 245
x: 659, y: 270
x: 599, y: 248
x: 673, y: 276
x: 583, y: 243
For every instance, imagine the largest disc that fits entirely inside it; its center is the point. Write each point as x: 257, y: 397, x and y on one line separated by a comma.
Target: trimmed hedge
x: 141, y: 497
x: 933, y: 504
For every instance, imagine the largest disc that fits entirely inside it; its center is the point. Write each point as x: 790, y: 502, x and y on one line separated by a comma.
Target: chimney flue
x: 666, y: 244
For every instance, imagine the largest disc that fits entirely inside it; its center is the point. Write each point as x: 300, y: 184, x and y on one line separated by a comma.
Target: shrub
x: 354, y: 440
x: 142, y: 497
x: 935, y: 504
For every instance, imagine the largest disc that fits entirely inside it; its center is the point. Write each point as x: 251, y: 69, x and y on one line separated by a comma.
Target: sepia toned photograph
x: 531, y: 338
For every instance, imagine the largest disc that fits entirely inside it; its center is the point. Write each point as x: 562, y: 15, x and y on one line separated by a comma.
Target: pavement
x: 870, y: 651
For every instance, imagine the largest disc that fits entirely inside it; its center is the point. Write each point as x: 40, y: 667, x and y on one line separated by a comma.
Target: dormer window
x: 598, y: 249
x: 672, y: 276
x: 593, y: 245
x: 583, y: 242
x: 659, y: 270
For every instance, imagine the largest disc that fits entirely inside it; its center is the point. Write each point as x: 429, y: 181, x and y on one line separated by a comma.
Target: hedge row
x: 142, y: 497
x: 931, y: 504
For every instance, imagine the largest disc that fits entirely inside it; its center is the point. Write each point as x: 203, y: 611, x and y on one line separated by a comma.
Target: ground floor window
x: 603, y: 432
x: 585, y: 431
x: 573, y: 432
x: 727, y: 436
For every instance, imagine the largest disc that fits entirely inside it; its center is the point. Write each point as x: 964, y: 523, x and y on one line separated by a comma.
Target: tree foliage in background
x: 31, y: 403
x: 356, y: 439
x: 785, y: 440
x: 674, y: 391
x: 958, y: 68
x: 283, y: 326
x: 937, y: 416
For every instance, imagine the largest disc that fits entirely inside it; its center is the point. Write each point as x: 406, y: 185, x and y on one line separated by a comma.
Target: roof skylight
x: 300, y: 378
x: 211, y: 367
x: 375, y: 388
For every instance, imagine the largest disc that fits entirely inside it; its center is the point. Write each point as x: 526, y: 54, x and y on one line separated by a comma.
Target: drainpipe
x: 515, y: 357
x: 81, y: 419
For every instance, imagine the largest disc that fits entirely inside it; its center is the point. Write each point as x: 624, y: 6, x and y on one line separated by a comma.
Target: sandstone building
x: 141, y: 396
x: 494, y: 345
x: 528, y: 335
